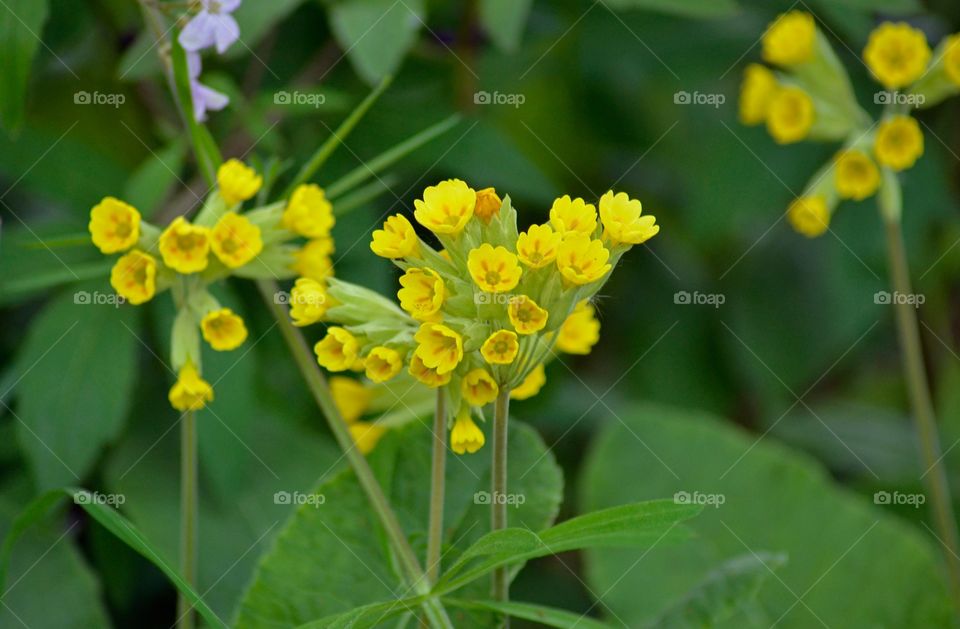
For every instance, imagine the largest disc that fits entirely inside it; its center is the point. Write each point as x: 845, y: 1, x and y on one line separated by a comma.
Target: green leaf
x: 687, y: 8
x: 549, y: 616
x: 366, y: 616
x: 503, y: 20
x: 76, y: 373
x: 20, y: 32
x: 869, y: 567
x: 376, y: 34
x: 331, y: 559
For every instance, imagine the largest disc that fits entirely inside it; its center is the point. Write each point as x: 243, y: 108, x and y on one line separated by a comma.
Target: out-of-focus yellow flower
x: 465, y: 436
x: 897, y: 54
x: 438, y: 347
x: 622, y: 222
x: 500, y: 348
x: 350, y: 397
x: 446, y: 207
x: 238, y: 182
x: 366, y: 435
x: 308, y: 212
x: 114, y: 225
x: 421, y: 293
x: 382, y: 363
x: 951, y: 58
x: 531, y: 385
x: 573, y: 215
x: 338, y: 350
x: 488, y: 205
x: 537, y: 247
x: 478, y: 387
x: 855, y: 175
x: 313, y: 259
x: 190, y: 392
x: 756, y: 92
x: 791, y: 115
x: 526, y: 316
x: 235, y: 240
x: 810, y: 215
x: 790, y: 39
x: 134, y: 277
x: 493, y: 269
x: 397, y: 239
x: 184, y: 247
x: 582, y: 260
x: 223, y: 329
x: 580, y: 331
x: 427, y: 375
x: 899, y: 142
x: 309, y: 301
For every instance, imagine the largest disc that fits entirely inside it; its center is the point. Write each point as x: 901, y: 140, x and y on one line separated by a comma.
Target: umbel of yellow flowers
x: 808, y: 96
x: 188, y: 256
x: 487, y: 309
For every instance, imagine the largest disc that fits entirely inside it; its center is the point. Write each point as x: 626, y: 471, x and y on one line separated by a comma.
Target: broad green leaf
x: 366, y: 616
x: 549, y: 616
x: 76, y: 373
x: 853, y: 564
x: 686, y: 8
x: 503, y: 20
x: 376, y: 34
x: 292, y: 586
x: 21, y: 29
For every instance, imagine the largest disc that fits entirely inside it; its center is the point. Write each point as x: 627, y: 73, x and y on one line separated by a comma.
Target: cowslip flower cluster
x: 482, y: 314
x: 809, y: 97
x: 188, y: 256
x: 213, y: 25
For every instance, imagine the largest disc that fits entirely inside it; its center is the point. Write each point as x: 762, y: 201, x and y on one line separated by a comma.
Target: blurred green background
x: 786, y: 398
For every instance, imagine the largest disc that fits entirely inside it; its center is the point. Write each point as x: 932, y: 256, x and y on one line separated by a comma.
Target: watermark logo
x: 96, y: 298
x: 884, y: 97
x: 698, y: 498
x: 296, y: 97
x: 486, y: 498
x: 710, y: 99
x: 498, y: 98
x: 696, y: 298
x: 883, y: 298
x: 897, y: 498
x: 298, y: 498
x: 483, y: 298
x: 96, y: 498
x: 283, y: 298
x: 99, y: 98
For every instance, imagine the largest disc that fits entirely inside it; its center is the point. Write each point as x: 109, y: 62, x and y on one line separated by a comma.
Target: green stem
x: 919, y: 389
x: 188, y: 516
x: 317, y: 384
x: 437, y: 474
x: 498, y: 493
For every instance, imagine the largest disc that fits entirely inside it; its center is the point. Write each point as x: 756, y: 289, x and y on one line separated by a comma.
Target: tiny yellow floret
x: 537, y: 247
x: 478, y: 387
x: 190, y: 392
x: 421, y: 294
x: 493, y: 269
x: 465, y: 436
x: 573, y: 215
x: 525, y: 315
x: 223, y: 329
x: 582, y: 260
x: 309, y: 301
x: 313, y: 259
x: 397, y: 239
x: 756, y: 93
x: 809, y: 216
x: 580, y: 331
x: 899, y: 142
x: 184, y: 247
x: 897, y: 54
x: 308, y: 212
x: 238, y: 182
x: 235, y: 240
x: 446, y: 207
x: 114, y: 225
x: 622, y: 220
x: 350, y: 397
x: 488, y: 205
x: 855, y: 175
x: 500, y: 348
x: 134, y: 277
x: 366, y: 435
x: 790, y: 39
x: 439, y: 347
x: 427, y: 375
x: 338, y: 350
x: 791, y: 115
x: 531, y: 385
x: 382, y: 363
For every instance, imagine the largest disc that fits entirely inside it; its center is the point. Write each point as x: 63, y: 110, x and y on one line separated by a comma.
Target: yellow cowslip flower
x: 309, y: 301
x: 951, y: 58
x: 190, y: 392
x: 308, y: 212
x: 427, y: 375
x: 899, y: 142
x: 573, y: 215
x: 114, y: 225
x: 350, y: 397
x: 537, y: 247
x: 223, y: 329
x: 790, y: 39
x: 235, y: 240
x: 622, y: 222
x: 446, y: 207
x: 338, y: 350
x: 397, y: 239
x: 855, y: 175
x: 809, y: 216
x: 465, y: 436
x: 421, y: 293
x: 790, y: 116
x: 531, y: 385
x: 478, y: 387
x: 313, y: 259
x: 488, y: 205
x: 238, y: 182
x: 366, y: 435
x: 500, y: 348
x: 382, y: 363
x: 582, y: 260
x: 493, y: 269
x: 184, y: 247
x: 580, y: 331
x: 134, y: 277
x: 438, y: 347
x: 526, y: 316
x: 756, y: 92
x: 897, y: 54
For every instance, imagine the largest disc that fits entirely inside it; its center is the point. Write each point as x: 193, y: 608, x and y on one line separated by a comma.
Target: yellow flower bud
x: 790, y: 39
x: 897, y: 54
x: 531, y: 385
x: 238, y: 182
x: 308, y: 212
x: 791, y: 115
x: 478, y: 387
x: 446, y: 207
x: 184, y: 247
x: 580, y: 331
x: 313, y: 259
x: 855, y: 175
x: 622, y: 222
x: 382, y: 364
x: 114, y: 225
x: 223, y: 329
x: 397, y: 239
x: 500, y: 348
x: 190, y: 392
x: 134, y: 277
x: 235, y: 240
x: 488, y: 205
x: 338, y: 350
x: 573, y: 215
x: 809, y: 216
x: 465, y: 436
x: 898, y: 143
x: 756, y: 93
